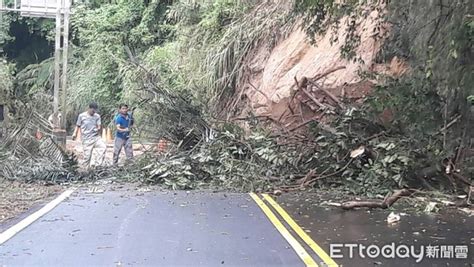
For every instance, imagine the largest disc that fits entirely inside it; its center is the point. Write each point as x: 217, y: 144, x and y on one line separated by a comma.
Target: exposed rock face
x: 271, y: 81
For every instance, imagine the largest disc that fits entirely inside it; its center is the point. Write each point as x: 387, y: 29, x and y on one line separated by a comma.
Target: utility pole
x: 57, y: 56
x: 67, y: 4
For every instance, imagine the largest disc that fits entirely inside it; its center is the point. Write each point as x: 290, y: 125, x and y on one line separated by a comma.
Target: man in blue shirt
x: 123, y: 121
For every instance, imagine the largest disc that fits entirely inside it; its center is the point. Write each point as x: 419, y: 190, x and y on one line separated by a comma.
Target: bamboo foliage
x: 28, y: 151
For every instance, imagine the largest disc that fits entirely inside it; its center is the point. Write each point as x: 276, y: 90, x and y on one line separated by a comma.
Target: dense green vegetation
x: 180, y: 63
x: 436, y: 40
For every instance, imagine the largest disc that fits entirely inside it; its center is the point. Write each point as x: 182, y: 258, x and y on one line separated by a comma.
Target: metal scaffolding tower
x: 59, y: 10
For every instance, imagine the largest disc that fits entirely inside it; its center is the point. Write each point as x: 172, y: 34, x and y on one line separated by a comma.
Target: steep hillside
x: 272, y: 74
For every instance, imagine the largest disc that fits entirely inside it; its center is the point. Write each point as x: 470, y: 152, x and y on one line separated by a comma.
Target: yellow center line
x: 305, y: 257
x: 317, y: 249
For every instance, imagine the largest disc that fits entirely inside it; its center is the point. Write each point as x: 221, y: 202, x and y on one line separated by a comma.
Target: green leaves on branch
x: 102, y: 33
x: 470, y: 99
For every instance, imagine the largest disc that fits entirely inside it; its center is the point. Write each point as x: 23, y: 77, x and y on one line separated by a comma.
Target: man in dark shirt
x: 123, y: 121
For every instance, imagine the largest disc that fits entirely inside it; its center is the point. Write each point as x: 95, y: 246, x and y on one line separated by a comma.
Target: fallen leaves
x: 17, y: 197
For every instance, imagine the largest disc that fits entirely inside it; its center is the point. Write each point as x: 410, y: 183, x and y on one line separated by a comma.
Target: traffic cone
x: 162, y: 145
x: 39, y: 135
x: 109, y: 135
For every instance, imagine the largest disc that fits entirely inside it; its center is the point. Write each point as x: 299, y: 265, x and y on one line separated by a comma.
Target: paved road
x: 133, y: 228
x: 129, y: 228
x: 369, y: 227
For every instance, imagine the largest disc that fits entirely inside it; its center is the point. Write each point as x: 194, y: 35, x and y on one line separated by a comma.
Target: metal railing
x: 34, y: 8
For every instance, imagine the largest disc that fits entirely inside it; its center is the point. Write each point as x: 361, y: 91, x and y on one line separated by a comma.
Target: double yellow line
x: 305, y: 257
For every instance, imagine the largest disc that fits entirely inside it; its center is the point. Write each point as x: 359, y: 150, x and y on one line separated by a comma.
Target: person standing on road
x: 89, y: 123
x: 123, y: 121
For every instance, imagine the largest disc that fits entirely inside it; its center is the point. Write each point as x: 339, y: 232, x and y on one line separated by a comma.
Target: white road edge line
x: 15, y: 229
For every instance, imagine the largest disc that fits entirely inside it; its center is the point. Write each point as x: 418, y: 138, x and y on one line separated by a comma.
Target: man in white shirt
x: 89, y: 123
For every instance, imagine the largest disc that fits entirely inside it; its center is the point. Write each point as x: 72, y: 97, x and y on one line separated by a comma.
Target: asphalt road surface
x: 443, y: 232
x: 134, y: 228
x: 127, y: 228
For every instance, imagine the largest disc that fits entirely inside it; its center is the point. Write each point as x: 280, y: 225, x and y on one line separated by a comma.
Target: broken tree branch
x: 251, y: 117
x: 314, y: 99
x: 449, y: 125
x: 461, y: 178
x: 308, y: 94
x: 318, y: 77
x: 309, y: 175
x: 330, y: 95
x: 315, y: 118
x: 374, y: 136
x: 386, y: 203
x: 329, y: 175
x: 258, y: 90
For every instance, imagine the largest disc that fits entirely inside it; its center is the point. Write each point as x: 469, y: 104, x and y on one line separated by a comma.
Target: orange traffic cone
x: 104, y: 134
x: 162, y: 145
x: 109, y: 135
x: 38, y: 135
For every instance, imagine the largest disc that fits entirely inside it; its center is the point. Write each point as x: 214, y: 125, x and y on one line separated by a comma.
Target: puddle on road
x: 332, y: 225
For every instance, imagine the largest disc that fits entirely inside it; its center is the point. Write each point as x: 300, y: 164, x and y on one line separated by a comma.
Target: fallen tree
x: 28, y: 151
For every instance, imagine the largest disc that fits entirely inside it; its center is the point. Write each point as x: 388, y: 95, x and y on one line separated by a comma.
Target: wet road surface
x: 369, y: 227
x: 163, y: 228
